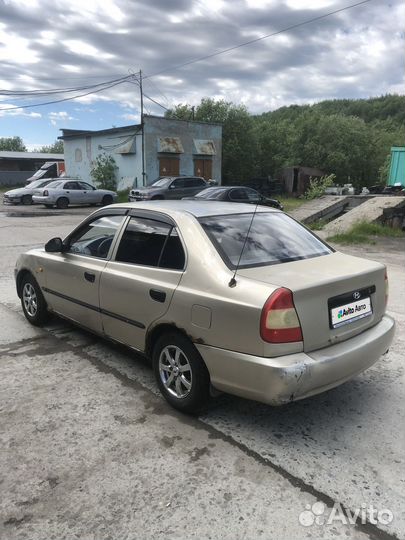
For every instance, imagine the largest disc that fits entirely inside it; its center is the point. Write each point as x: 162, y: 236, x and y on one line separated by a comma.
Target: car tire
x: 107, y: 199
x: 157, y: 198
x: 26, y: 200
x: 33, y: 302
x: 180, y: 373
x: 62, y: 202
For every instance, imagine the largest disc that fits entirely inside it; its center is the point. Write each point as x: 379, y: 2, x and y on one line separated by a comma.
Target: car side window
x: 178, y: 183
x: 88, y: 187
x: 195, y: 182
x: 95, y: 238
x: 150, y: 243
x: 71, y: 185
x: 238, y: 194
x: 252, y: 195
x: 173, y: 256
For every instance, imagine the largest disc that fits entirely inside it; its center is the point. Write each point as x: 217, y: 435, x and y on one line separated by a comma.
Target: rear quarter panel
x: 211, y: 312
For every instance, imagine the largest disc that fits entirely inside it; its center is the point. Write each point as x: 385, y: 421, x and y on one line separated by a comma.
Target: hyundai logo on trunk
x: 356, y: 295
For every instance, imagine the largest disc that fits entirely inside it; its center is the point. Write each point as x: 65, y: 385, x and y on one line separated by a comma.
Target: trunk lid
x: 322, y: 287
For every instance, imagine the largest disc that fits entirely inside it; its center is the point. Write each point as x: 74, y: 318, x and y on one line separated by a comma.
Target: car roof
x: 229, y: 187
x: 193, y: 207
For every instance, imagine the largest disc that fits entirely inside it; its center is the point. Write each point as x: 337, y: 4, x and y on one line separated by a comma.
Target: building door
x: 169, y: 166
x: 203, y: 167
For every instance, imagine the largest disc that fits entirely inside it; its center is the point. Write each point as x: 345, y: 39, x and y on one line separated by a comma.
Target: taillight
x: 386, y: 287
x: 279, y: 320
x: 45, y: 193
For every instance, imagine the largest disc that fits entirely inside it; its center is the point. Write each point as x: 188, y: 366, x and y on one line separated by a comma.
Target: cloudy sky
x: 55, y: 44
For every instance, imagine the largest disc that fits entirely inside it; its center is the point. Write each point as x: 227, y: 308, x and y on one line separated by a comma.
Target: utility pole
x: 143, y: 129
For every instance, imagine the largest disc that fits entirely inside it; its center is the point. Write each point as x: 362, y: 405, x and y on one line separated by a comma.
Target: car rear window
x: 53, y: 185
x: 273, y: 238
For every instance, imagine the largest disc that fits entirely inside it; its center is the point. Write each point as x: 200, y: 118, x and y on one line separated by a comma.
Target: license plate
x: 351, y: 312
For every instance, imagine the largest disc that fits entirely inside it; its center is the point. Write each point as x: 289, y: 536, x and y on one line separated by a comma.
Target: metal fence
x: 14, y: 178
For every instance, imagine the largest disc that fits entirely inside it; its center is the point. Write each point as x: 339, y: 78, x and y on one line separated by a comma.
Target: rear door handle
x: 159, y: 296
x: 90, y: 277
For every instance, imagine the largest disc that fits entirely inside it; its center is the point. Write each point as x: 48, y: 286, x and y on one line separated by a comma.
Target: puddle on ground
x: 34, y: 214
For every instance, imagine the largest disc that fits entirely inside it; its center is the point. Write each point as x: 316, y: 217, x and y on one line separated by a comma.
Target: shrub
x: 317, y: 186
x: 103, y: 172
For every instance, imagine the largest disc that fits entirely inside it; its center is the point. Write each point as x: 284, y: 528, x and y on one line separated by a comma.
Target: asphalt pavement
x: 90, y: 450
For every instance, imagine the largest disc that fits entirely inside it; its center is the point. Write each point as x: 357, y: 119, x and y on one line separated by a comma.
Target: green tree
x: 384, y: 170
x: 239, y: 152
x: 12, y: 144
x: 103, y: 172
x: 55, y: 148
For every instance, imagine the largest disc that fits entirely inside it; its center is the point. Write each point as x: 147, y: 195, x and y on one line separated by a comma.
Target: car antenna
x: 232, y: 281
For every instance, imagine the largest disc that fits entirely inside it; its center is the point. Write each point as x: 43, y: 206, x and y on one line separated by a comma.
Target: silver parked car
x: 72, y: 191
x: 23, y: 195
x: 250, y: 303
x: 169, y: 187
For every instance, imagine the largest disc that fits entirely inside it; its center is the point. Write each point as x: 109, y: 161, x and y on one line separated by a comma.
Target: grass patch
x: 317, y: 225
x: 290, y: 203
x: 366, y: 233
x: 122, y: 195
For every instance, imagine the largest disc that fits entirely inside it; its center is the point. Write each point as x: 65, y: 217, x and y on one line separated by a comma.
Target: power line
x: 52, y: 91
x: 64, y: 99
x: 148, y: 97
x: 82, y: 77
x: 159, y: 91
x: 288, y: 28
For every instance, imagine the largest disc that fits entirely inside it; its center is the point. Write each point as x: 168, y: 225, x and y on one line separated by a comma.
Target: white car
x: 72, y: 191
x: 23, y: 195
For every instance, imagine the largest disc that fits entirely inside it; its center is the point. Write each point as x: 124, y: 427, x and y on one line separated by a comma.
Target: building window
x: 78, y: 154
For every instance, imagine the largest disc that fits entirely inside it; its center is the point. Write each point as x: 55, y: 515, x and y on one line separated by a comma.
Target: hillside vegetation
x: 347, y: 137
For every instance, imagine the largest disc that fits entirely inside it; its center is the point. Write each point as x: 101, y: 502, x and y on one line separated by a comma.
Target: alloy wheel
x: 175, y: 371
x: 30, y: 299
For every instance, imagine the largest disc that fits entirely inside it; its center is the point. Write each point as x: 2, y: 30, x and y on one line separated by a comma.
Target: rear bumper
x: 277, y: 381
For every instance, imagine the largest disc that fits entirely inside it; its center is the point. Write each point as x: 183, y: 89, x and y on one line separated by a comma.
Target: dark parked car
x: 239, y: 194
x: 396, y: 189
x: 169, y: 187
x: 376, y: 189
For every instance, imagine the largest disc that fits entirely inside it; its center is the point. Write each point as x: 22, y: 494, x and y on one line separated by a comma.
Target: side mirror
x: 172, y: 186
x: 55, y: 245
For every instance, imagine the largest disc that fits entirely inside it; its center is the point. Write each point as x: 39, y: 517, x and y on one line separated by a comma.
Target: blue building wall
x: 156, y: 127
x: 82, y: 150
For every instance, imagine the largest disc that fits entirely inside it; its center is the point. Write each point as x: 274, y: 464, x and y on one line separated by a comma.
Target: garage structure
x: 16, y: 167
x: 171, y: 148
x: 297, y: 178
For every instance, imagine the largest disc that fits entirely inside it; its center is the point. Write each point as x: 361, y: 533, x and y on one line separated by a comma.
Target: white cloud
x: 130, y: 117
x: 17, y: 112
x: 57, y: 118
x: 16, y: 48
x: 82, y: 48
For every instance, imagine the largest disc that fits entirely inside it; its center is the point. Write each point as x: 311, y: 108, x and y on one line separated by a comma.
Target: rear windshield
x: 273, y: 238
x: 211, y: 193
x: 56, y: 184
